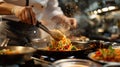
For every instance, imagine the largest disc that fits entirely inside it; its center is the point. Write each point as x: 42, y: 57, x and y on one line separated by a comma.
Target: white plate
x: 100, y: 61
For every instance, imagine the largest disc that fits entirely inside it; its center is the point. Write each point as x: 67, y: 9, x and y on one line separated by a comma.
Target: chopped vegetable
x: 64, y: 44
x: 8, y: 51
x: 110, y: 54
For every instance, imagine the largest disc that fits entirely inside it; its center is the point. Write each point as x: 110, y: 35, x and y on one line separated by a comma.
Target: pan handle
x: 43, y: 61
x: 5, y: 42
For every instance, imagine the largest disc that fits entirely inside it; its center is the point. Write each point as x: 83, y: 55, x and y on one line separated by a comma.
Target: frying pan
x: 16, y: 58
x: 40, y: 45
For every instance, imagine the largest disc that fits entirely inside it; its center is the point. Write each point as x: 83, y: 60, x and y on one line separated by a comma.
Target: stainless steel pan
x: 16, y: 58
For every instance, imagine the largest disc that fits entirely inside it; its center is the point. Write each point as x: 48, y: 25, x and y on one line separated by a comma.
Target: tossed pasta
x: 62, y: 45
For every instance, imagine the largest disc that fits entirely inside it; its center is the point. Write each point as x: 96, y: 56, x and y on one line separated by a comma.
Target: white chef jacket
x: 44, y: 9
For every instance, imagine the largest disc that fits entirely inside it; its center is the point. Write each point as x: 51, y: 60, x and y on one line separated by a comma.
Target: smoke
x: 84, y: 25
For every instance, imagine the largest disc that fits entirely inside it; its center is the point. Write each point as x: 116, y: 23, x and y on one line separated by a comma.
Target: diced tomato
x: 67, y: 46
x: 98, y: 53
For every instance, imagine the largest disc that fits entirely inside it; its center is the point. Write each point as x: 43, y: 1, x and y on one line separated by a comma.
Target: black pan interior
x: 41, y: 46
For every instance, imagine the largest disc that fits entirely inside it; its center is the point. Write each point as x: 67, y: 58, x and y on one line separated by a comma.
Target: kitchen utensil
x: 43, y: 27
x: 42, y: 45
x: 5, y: 42
x: 74, y: 63
x: 19, y: 55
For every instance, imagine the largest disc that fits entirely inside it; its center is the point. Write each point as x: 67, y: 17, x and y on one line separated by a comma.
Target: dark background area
x: 104, y: 24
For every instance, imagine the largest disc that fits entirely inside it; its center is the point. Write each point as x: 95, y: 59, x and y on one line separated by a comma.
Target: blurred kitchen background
x: 97, y: 19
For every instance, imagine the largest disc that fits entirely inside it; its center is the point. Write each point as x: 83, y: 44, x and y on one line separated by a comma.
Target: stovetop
x: 30, y: 63
x: 34, y: 63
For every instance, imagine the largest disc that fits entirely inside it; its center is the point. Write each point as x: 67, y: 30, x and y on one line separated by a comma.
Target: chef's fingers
x: 33, y: 18
x: 73, y: 22
x: 26, y: 18
x: 23, y: 19
x: 21, y: 15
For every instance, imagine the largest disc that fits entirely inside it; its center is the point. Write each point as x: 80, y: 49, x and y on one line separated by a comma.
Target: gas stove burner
x: 71, y: 57
x: 30, y: 63
x: 47, y: 58
x: 52, y: 59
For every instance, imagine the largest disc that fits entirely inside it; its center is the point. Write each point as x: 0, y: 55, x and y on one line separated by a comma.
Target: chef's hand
x: 25, y: 14
x: 71, y: 22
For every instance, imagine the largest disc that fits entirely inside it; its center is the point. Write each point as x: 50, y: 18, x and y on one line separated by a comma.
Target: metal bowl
x: 72, y: 63
x: 112, y: 65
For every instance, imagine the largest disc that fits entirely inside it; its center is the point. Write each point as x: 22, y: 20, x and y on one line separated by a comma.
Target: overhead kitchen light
x: 99, y: 11
x: 93, y: 16
x: 106, y: 6
x: 105, y: 9
x: 95, y: 12
x: 112, y: 7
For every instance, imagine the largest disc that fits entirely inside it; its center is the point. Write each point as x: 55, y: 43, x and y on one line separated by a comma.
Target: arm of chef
x: 52, y: 10
x: 1, y: 1
x: 5, y: 9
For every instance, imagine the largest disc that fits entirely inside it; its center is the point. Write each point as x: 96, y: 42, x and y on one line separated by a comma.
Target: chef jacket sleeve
x: 52, y: 10
x: 1, y: 0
